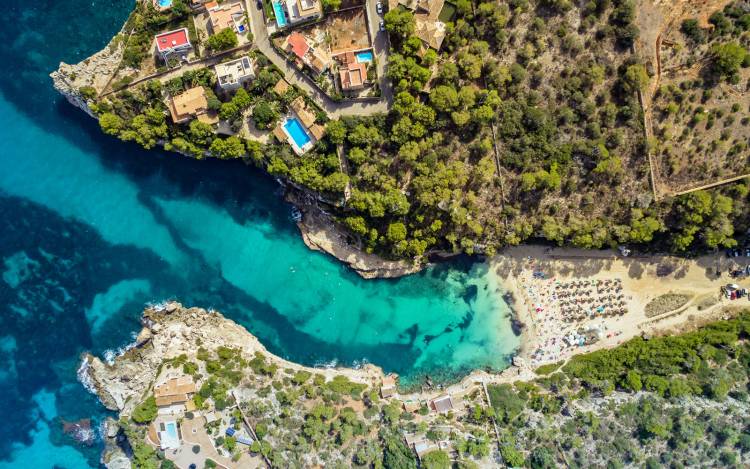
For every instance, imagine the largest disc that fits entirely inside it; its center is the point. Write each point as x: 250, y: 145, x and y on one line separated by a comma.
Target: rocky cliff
x: 170, y: 330
x: 94, y: 73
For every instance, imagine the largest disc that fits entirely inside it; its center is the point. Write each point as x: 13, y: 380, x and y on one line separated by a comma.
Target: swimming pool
x: 164, y: 3
x: 278, y: 10
x: 295, y: 130
x: 364, y: 56
x: 168, y: 436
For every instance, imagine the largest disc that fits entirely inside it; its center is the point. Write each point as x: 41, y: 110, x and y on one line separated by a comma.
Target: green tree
x: 444, y: 98
x: 691, y: 29
x: 399, y: 22
x: 727, y: 58
x: 635, y: 78
x: 395, y: 453
x: 357, y: 224
x: 436, y: 460
x: 146, y: 411
x: 331, y: 5
x: 223, y: 40
x: 87, y: 92
x: 200, y: 133
x: 396, y: 232
x: 111, y: 124
x: 633, y: 381
x: 227, y: 148
x: 264, y: 115
x: 336, y: 131
x: 511, y: 456
x: 541, y: 458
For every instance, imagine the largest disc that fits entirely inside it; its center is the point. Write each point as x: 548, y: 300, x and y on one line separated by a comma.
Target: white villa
x: 233, y: 74
x: 302, y: 10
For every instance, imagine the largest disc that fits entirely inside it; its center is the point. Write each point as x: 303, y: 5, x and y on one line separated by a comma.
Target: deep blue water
x: 93, y: 229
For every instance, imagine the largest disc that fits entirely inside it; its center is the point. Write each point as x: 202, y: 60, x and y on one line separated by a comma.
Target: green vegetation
x: 223, y: 40
x: 727, y: 58
x: 146, y: 411
x: 699, y: 137
x: 88, y: 92
x: 331, y: 5
x: 711, y: 364
x: 426, y: 176
x: 526, y: 123
x: 436, y: 460
x: 548, y: 369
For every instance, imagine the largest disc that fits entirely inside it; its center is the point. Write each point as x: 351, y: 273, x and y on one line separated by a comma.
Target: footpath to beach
x: 575, y: 301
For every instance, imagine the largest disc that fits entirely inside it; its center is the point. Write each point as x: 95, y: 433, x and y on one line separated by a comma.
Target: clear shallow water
x: 93, y: 229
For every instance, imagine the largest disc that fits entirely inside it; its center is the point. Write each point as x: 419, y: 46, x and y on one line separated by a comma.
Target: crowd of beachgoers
x: 567, y: 315
x: 574, y: 301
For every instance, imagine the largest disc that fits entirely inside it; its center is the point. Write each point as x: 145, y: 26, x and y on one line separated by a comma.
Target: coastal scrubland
x: 526, y: 124
x: 670, y: 401
x: 666, y: 402
x: 701, y: 102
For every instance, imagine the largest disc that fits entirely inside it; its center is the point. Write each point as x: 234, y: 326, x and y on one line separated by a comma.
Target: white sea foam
x: 158, y: 307
x: 84, y: 378
x: 110, y: 355
x: 331, y: 364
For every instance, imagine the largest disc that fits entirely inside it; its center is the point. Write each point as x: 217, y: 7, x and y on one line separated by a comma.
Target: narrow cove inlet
x: 94, y: 229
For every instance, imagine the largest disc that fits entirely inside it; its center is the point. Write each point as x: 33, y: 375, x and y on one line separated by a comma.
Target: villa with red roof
x: 297, y: 44
x: 172, y: 42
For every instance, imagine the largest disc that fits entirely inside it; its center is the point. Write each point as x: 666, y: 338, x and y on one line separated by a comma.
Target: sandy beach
x: 574, y: 301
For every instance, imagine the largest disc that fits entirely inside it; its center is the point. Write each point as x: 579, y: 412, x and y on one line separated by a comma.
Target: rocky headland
x: 82, y: 83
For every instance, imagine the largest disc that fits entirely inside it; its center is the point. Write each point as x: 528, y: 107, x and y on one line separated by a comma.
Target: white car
x: 379, y: 8
x: 382, y: 25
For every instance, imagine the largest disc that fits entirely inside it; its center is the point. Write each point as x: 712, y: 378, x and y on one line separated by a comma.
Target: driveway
x: 293, y: 76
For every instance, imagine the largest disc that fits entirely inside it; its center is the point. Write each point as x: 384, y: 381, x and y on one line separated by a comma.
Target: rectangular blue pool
x: 278, y: 10
x: 364, y: 56
x: 165, y: 3
x: 169, y: 436
x: 171, y: 429
x: 295, y: 130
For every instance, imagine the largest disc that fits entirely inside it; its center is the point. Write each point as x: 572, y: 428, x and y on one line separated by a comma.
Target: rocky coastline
x: 318, y: 230
x: 170, y: 330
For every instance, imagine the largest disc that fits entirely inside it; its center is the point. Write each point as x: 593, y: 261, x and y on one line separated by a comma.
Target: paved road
x: 379, y: 40
x: 292, y: 75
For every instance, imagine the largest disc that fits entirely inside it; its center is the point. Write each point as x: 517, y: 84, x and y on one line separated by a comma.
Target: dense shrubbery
x: 223, y: 40
x: 686, y: 359
x: 713, y: 362
x: 567, y: 142
x: 146, y: 411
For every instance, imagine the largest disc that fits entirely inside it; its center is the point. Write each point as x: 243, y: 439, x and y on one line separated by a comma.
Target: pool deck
x: 290, y: 139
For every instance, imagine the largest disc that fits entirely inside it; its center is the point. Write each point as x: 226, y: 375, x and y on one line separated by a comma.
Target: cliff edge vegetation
x: 196, y: 388
x: 525, y: 120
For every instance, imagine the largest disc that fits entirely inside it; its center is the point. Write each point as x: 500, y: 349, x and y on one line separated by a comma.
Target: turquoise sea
x: 93, y: 229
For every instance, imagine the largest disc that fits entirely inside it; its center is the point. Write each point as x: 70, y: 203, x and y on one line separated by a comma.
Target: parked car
x: 259, y: 4
x: 379, y: 8
x: 747, y: 252
x: 382, y: 25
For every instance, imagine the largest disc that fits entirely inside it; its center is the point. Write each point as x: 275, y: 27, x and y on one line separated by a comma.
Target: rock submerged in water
x: 80, y: 431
